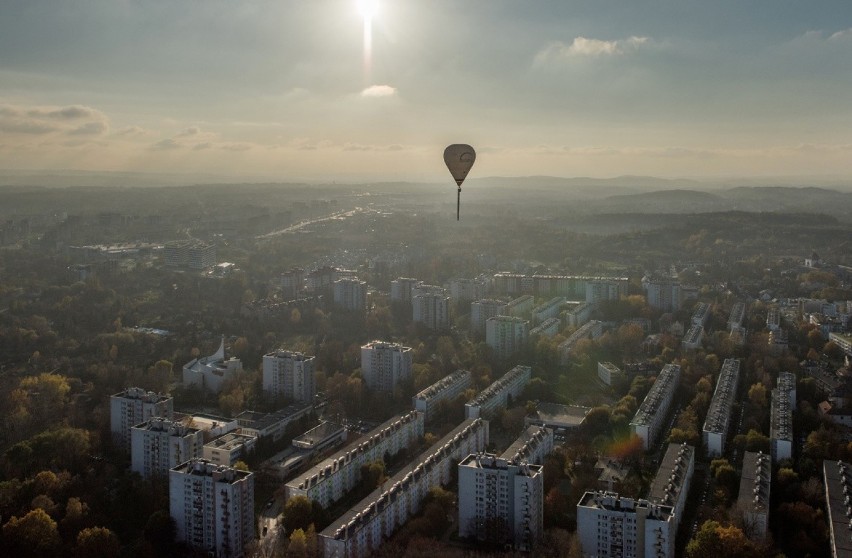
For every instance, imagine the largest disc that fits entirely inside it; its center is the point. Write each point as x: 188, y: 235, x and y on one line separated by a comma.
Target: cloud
x: 204, y: 145
x: 97, y: 127
x: 843, y: 35
x: 166, y: 145
x: 132, y: 131
x: 188, y: 132
x: 585, y: 47
x: 236, y: 146
x: 379, y: 91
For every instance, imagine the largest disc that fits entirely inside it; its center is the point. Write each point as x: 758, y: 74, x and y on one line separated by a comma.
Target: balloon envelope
x: 459, y: 158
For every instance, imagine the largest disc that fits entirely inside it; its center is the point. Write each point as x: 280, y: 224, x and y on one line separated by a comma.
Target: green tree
x: 297, y: 514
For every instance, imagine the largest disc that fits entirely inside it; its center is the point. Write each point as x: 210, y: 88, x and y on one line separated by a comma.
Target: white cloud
x: 379, y: 91
x: 843, y: 35
x: 71, y: 120
x: 585, y: 47
x: 165, y: 145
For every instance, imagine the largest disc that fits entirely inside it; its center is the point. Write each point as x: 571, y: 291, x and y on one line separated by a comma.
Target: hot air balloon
x: 459, y: 157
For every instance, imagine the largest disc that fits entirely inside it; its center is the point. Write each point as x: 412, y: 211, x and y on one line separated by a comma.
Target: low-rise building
x: 272, y: 425
x: 211, y: 372
x: 229, y: 448
x: 556, y: 416
x: 320, y: 438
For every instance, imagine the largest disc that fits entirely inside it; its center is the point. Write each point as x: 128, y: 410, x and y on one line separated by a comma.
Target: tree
x: 297, y: 514
x: 35, y: 534
x: 97, y: 542
x: 298, y: 547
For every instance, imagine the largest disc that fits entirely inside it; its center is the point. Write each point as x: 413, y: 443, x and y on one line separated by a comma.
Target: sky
x: 314, y: 90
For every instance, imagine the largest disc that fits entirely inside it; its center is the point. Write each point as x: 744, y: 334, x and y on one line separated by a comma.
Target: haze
x: 284, y: 90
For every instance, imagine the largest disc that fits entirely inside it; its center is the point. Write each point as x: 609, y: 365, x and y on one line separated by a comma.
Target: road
x: 339, y: 215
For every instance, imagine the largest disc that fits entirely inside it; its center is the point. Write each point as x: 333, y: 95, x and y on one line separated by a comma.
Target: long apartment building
x: 773, y: 318
x: 384, y: 365
x: 501, y: 501
x: 579, y: 314
x: 481, y: 310
x: 737, y: 315
x: 718, y: 420
x: 609, y: 372
x: 520, y: 307
x: 781, y: 417
x: 532, y: 446
x: 468, y: 289
x: 549, y: 309
x: 329, y: 480
x: 589, y: 330
x: 753, y: 498
x: 213, y: 507
x: 497, y: 395
x: 134, y: 406
x: 506, y: 335
x: 548, y: 328
x: 446, y: 389
x: 837, y: 477
x: 651, y: 415
x: 290, y: 374
x: 576, y: 287
x: 363, y: 529
x: 160, y: 444
x: 670, y: 486
x: 693, y: 337
x: 598, y: 290
x: 610, y: 526
x: 700, y: 314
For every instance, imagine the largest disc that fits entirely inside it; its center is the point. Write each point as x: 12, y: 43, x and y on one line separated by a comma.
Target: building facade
x: 610, y: 526
x: 837, y: 478
x: 213, y: 507
x: 134, y: 406
x: 497, y: 395
x: 445, y: 389
x: 211, y: 372
x: 781, y: 417
x: 753, y: 499
x: 290, y: 374
x: 500, y: 501
x: 506, y: 335
x: 718, y: 419
x: 481, y: 310
x: 350, y: 294
x: 671, y: 483
x: 652, y: 413
x: 431, y: 310
x: 384, y: 365
x: 160, y: 444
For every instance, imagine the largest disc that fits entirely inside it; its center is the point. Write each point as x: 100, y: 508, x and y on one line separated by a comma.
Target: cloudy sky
x: 285, y: 89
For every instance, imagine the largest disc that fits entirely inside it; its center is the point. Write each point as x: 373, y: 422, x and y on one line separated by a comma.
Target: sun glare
x: 368, y: 8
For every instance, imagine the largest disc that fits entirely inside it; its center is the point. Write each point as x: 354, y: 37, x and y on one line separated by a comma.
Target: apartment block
x: 837, y: 478
x: 134, y: 406
x: 663, y: 294
x: 329, y: 480
x: 506, y: 335
x: 579, y: 314
x: 608, y: 372
x: 670, y: 486
x: 350, y: 294
x: 501, y: 501
x: 610, y: 526
x: 431, y: 310
x: 781, y: 417
x: 549, y: 309
x: 384, y: 365
x: 718, y: 419
x: 497, y: 395
x: 737, y: 315
x: 445, y: 389
x: 521, y: 307
x: 753, y: 499
x: 228, y: 448
x: 468, y: 289
x: 548, y: 328
x: 362, y: 530
x: 481, y: 310
x: 651, y: 415
x: 160, y: 444
x: 213, y: 507
x: 290, y: 374
x: 532, y: 446
x: 589, y: 330
x: 402, y: 287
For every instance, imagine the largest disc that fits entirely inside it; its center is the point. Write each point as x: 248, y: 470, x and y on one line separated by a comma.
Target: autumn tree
x: 97, y: 542
x: 34, y: 534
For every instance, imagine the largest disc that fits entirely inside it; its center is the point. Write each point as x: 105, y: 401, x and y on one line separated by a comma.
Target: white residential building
x: 579, y: 314
x: 193, y: 254
x: 700, y: 314
x: 506, y: 335
x: 521, y: 307
x: 718, y: 420
x: 532, y: 446
x: 598, y: 290
x: 610, y: 526
x: 468, y: 289
x: 497, y: 395
x: 402, y: 287
x: 431, y: 310
x: 350, y: 294
x: 213, y: 507
x: 384, y: 365
x: 781, y: 417
x: 210, y: 373
x: 481, y: 310
x: 548, y: 328
x: 663, y: 294
x: 501, y: 501
x: 737, y: 315
x: 608, y: 372
x: 445, y: 389
x: 753, y: 499
x: 134, y: 406
x: 329, y: 480
x: 229, y: 448
x: 652, y: 413
x: 671, y: 484
x: 159, y: 444
x: 837, y: 478
x: 362, y: 530
x: 549, y: 309
x: 290, y: 374
x: 692, y: 339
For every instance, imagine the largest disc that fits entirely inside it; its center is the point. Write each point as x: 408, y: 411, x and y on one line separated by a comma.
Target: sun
x: 368, y: 8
